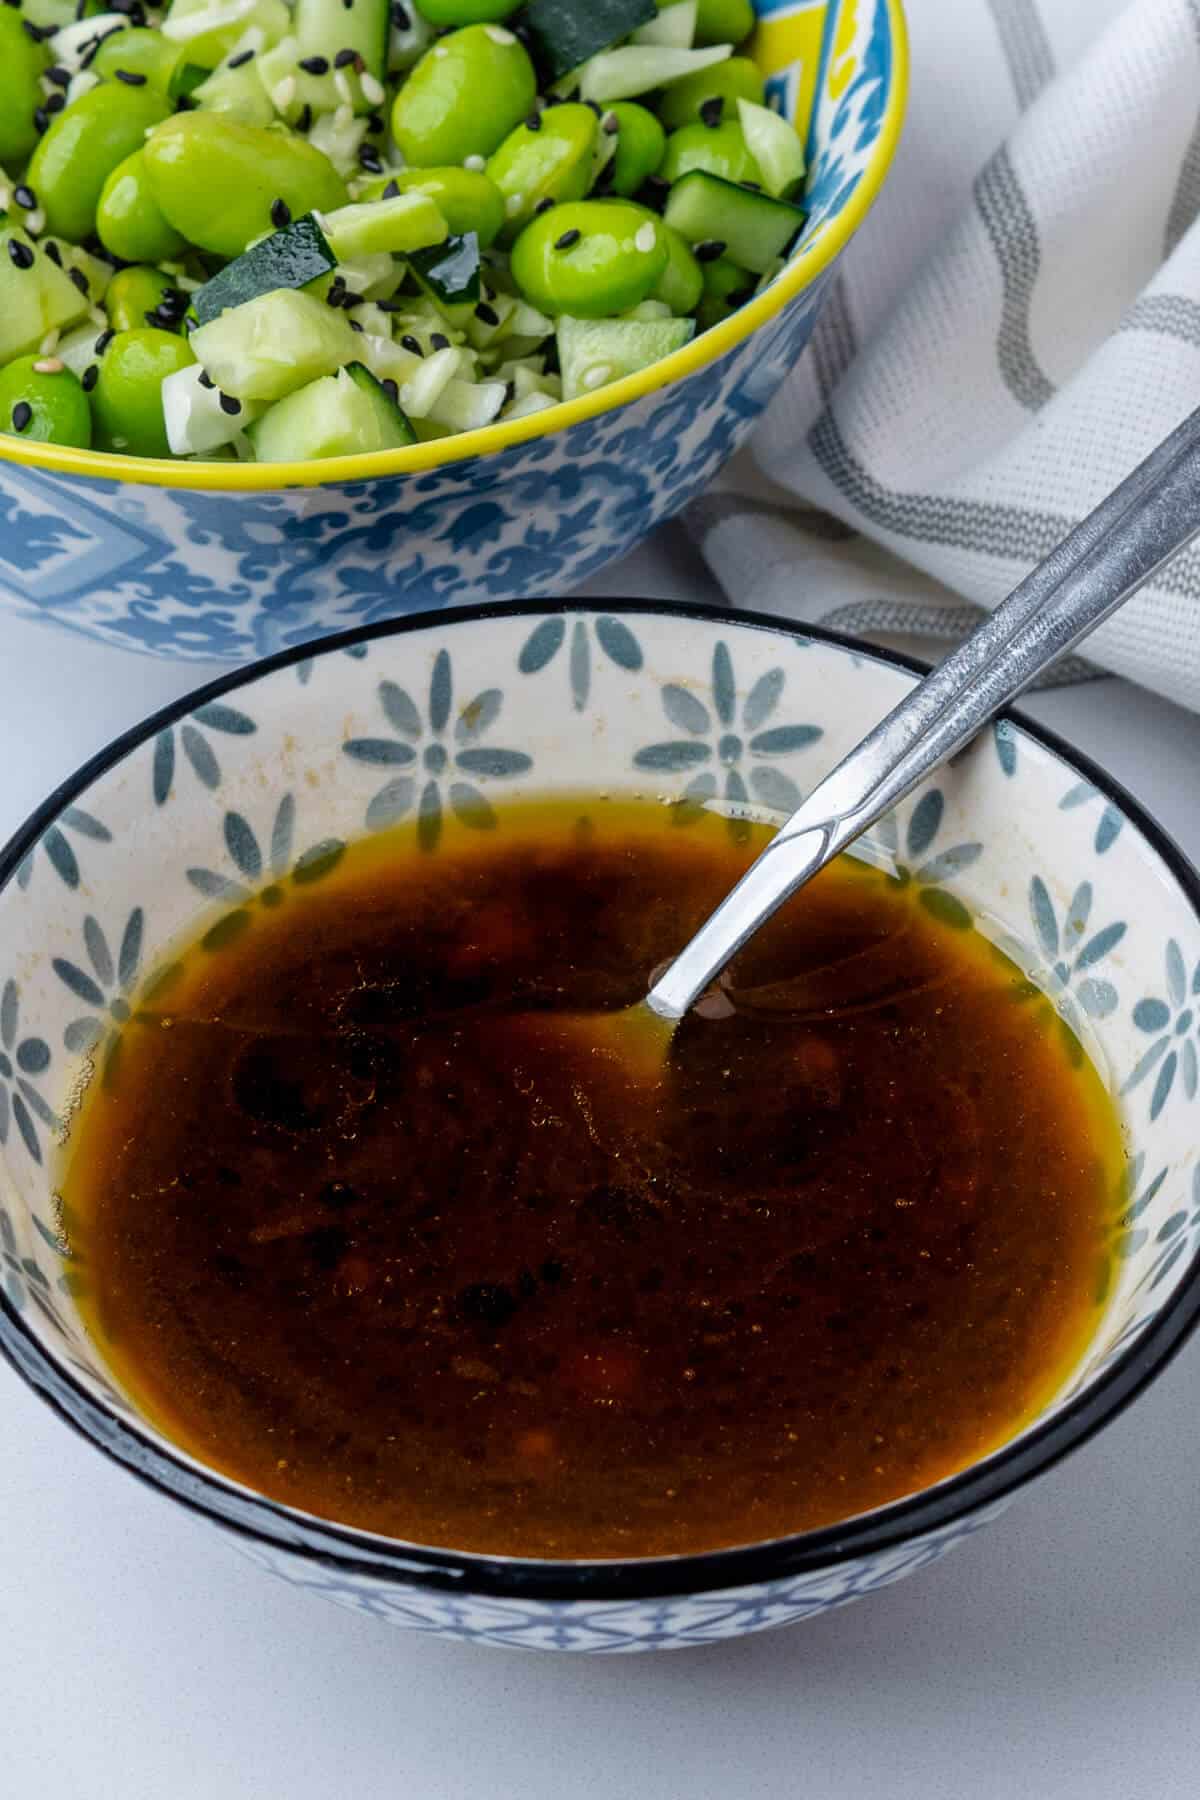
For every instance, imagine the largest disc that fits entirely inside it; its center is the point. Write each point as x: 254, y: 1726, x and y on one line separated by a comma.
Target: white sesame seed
x: 345, y: 92
x: 373, y: 90
x: 498, y: 34
x: 513, y: 204
x: 475, y: 163
x: 283, y: 93
x: 439, y: 50
x: 645, y: 238
x: 597, y: 376
x: 49, y: 365
x: 35, y: 221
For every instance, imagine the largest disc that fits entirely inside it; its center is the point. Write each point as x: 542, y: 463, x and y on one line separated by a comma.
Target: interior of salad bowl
x: 836, y: 69
x: 250, y: 783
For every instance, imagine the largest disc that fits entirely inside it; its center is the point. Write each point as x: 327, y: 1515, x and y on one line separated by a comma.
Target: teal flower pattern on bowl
x: 446, y: 717
x: 1171, y: 1022
x: 59, y: 851
x: 435, y: 757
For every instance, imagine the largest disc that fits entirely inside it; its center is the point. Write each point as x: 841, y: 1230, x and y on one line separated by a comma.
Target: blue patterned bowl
x: 240, y: 560
x: 251, y: 782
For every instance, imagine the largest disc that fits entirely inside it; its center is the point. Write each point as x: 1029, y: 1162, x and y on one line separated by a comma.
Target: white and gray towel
x: 1015, y: 326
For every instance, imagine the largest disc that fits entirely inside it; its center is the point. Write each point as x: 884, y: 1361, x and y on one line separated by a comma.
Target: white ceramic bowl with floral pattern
x: 259, y: 779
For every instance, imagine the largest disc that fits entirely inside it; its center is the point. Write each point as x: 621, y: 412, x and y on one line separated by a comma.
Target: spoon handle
x: 1114, y: 551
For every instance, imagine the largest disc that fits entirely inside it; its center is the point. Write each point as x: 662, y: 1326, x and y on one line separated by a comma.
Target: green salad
x: 276, y: 230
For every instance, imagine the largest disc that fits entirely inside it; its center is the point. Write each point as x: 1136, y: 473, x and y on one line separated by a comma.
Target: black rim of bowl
x: 340, y: 1551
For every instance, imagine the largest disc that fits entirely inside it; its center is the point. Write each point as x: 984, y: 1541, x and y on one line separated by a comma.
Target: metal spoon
x: 1142, y: 524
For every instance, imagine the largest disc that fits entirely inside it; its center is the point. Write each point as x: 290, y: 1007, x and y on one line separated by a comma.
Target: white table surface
x: 1056, y: 1656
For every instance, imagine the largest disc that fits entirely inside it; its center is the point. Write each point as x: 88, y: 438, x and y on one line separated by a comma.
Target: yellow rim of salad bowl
x: 249, y: 477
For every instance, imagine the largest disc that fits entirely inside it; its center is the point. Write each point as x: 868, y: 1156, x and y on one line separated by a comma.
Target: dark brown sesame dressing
x: 230, y: 405
x: 281, y: 214
x: 314, y: 65
x: 20, y: 254
x: 347, y: 58
x: 544, y: 204
x: 205, y: 379
x: 391, y: 190
x: 25, y: 197
x: 89, y: 378
x: 487, y: 315
x: 708, y: 250
x: 438, y: 341
x: 131, y: 77
x: 533, y: 121
x: 409, y: 342
x: 240, y: 60
x: 22, y: 416
x: 711, y: 110
x: 568, y: 238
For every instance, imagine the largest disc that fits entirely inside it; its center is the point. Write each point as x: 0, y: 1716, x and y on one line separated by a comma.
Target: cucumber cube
x: 752, y: 229
x: 270, y: 346
x: 347, y: 414
x: 593, y: 352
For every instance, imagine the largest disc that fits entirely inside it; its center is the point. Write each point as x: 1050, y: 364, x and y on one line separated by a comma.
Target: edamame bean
x: 723, y: 21
x: 466, y: 12
x: 590, y: 258
x: 42, y: 401
x: 641, y: 142
x: 463, y: 97
x: 216, y: 180
x: 83, y: 146
x: 127, y: 397
x: 466, y: 198
x: 549, y: 157
x: 726, y: 286
x: 729, y: 82
x: 721, y: 152
x: 128, y: 219
x: 140, y: 52
x: 21, y: 63
x: 132, y: 294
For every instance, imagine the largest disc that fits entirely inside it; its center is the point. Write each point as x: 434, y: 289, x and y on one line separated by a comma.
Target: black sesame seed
x: 102, y: 342
x: 205, y: 379
x: 39, y: 33
x: 408, y: 342
x: 337, y: 291
x: 25, y: 196
x: 230, y: 405
x: 369, y: 159
x: 41, y: 118
x: 304, y: 122
x: 374, y: 123
x: 487, y: 314
x: 392, y: 190
x: 392, y: 305
x: 350, y: 300
x: 543, y: 205
x: 533, y: 121
x: 54, y: 253
x: 21, y: 254
x: 131, y: 77
x: 401, y: 17
x: 80, y: 280
x: 240, y: 60
x: 22, y: 416
x: 348, y: 5
x: 344, y: 58
x: 598, y: 110
x: 55, y: 103
x: 390, y: 388
x: 281, y: 214
x: 438, y: 340
x: 354, y: 325
x: 610, y: 124
x: 752, y: 187
x: 58, y: 75
x: 314, y: 65
x: 708, y: 250
x: 89, y: 378
x: 568, y: 238
x: 711, y: 110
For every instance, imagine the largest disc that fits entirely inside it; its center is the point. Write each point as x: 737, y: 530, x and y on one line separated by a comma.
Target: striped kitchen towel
x: 1015, y: 326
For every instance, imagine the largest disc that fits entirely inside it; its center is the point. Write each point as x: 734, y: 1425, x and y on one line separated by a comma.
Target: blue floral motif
x: 739, y: 747
x: 1172, y: 1024
x: 1070, y: 980
x: 23, y: 1060
x: 58, y: 848
x: 261, y: 873
x: 1108, y: 826
x: 1176, y: 1235
x: 196, y: 747
x: 613, y: 637
x: 419, y: 746
x: 304, y: 668
x: 928, y: 874
x: 205, y: 573
x: 105, y: 986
